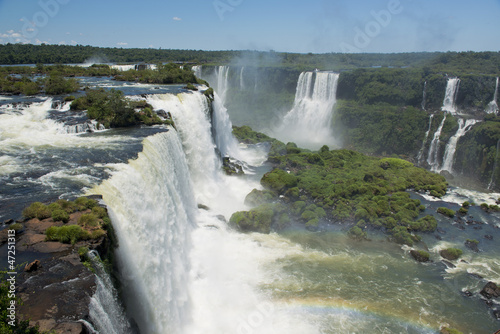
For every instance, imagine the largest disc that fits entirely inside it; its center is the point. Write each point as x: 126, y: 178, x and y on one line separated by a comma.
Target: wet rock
x: 476, y: 275
x: 33, y: 266
x: 448, y: 264
x: 467, y: 293
x: 490, y: 290
x: 472, y: 245
x: 203, y: 207
x: 8, y: 222
x: 420, y: 256
x: 440, y: 230
x: 71, y: 328
x: 496, y: 314
x: 231, y: 168
x: 221, y: 218
x: 488, y: 237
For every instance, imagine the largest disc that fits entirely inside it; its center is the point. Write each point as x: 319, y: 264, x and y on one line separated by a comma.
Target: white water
x: 421, y: 152
x: 197, y: 70
x: 152, y: 206
x: 309, y: 122
x: 495, y: 166
x: 493, y: 105
x: 424, y: 93
x: 451, y: 95
x: 242, y: 81
x: 185, y: 270
x: 105, y: 309
x: 451, y: 146
x: 221, y: 73
x: 432, y: 157
x: 222, y: 127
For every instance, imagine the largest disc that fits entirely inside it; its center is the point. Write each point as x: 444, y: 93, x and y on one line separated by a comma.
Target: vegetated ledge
x: 55, y: 282
x: 338, y: 186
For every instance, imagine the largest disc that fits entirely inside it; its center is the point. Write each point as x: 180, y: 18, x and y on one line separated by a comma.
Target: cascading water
x: 451, y: 95
x: 197, y: 70
x: 421, y: 152
x: 451, y: 146
x: 495, y: 165
x: 222, y: 127
x: 242, y: 81
x: 221, y: 73
x: 432, y: 157
x: 106, y: 312
x: 152, y: 206
x: 493, y: 105
x: 309, y: 122
x: 424, y: 93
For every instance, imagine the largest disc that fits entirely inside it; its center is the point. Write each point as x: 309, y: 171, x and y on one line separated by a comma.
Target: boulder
x: 490, y: 290
x: 33, y: 266
x: 420, y: 256
x: 472, y: 245
x: 496, y: 314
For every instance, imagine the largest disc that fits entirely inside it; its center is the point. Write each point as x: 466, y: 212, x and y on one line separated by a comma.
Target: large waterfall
x: 309, y: 122
x: 493, y: 105
x: 152, y: 206
x: 451, y: 146
x: 451, y: 95
x: 183, y: 269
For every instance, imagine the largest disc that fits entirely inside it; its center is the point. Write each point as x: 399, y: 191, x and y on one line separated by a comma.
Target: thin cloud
x: 175, y: 18
x: 122, y: 43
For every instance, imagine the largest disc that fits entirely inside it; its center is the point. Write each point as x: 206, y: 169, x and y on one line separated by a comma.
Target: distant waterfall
x: 451, y: 146
x: 222, y: 128
x: 197, y: 70
x: 424, y: 93
x: 495, y: 165
x: 106, y: 312
x: 493, y: 105
x: 242, y: 81
x: 421, y: 152
x: 152, y: 206
x: 222, y: 73
x: 309, y: 121
x: 451, y: 95
x: 432, y: 157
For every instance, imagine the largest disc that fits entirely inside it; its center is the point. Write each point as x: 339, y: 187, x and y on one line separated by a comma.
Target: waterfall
x: 309, y: 121
x: 495, y: 164
x: 242, y: 82
x: 421, y: 152
x: 152, y: 206
x: 221, y: 73
x: 197, y: 70
x: 106, y: 312
x: 432, y: 157
x: 451, y: 146
x: 424, y: 93
x: 493, y: 105
x: 222, y: 127
x: 89, y: 126
x: 451, y: 95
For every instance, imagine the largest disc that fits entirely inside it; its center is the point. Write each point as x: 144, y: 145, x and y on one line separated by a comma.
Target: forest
x: 463, y: 62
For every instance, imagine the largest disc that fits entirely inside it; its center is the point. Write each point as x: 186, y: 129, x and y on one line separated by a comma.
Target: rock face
x: 55, y: 286
x: 491, y: 290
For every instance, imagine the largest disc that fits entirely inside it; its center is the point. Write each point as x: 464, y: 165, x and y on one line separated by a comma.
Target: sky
x: 317, y: 26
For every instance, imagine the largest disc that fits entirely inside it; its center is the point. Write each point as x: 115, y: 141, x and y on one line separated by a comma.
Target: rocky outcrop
x: 55, y: 286
x: 491, y: 290
x: 420, y: 256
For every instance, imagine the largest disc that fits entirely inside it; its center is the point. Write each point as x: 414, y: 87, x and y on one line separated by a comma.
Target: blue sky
x: 316, y: 26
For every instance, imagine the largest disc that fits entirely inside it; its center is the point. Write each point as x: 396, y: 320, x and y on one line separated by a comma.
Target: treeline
x: 462, y: 62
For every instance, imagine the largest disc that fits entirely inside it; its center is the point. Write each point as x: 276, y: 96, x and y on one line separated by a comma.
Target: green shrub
x: 83, y: 203
x: 465, y: 204
x: 96, y: 234
x: 82, y: 252
x: 60, y: 215
x: 99, y: 212
x: 88, y: 220
x: 278, y: 180
x: 16, y: 227
x: 463, y: 210
x: 451, y: 253
x: 357, y: 233
x: 445, y: 211
x: 258, y: 197
x: 67, y: 206
x: 37, y: 210
x: 66, y: 234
